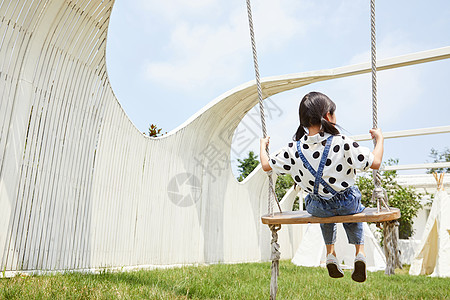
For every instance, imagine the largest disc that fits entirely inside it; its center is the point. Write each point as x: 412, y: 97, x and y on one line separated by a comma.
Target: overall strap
x: 318, y: 175
x: 322, y: 164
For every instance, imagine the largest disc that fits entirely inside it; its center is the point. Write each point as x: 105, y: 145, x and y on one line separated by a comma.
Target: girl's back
x: 345, y: 156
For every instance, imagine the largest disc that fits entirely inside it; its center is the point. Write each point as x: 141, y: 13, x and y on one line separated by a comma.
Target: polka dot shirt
x: 344, y: 158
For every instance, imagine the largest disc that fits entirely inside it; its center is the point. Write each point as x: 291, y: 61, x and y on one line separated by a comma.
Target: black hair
x: 312, y: 111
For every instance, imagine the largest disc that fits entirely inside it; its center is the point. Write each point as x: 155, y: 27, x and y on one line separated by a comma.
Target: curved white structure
x: 82, y: 188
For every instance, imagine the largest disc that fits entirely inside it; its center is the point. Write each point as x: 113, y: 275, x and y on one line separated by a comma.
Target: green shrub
x: 405, y: 198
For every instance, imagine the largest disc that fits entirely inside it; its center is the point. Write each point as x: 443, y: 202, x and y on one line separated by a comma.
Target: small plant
x: 283, y: 184
x: 404, y: 198
x: 154, y: 131
x: 296, y: 205
x: 247, y: 165
x: 438, y: 156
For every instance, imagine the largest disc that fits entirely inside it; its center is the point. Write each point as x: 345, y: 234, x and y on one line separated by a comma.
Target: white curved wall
x: 82, y: 188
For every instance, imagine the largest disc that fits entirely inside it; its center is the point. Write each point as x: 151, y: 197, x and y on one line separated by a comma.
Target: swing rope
x: 379, y: 194
x: 272, y: 195
x: 275, y: 253
x: 390, y: 228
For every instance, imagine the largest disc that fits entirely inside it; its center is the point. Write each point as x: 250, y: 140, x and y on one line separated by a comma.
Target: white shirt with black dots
x: 344, y: 158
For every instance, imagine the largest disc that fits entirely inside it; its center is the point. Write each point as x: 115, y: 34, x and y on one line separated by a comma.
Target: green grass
x: 240, y: 281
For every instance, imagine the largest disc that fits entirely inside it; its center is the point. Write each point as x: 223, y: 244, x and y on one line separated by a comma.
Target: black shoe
x: 359, y: 272
x: 334, y: 270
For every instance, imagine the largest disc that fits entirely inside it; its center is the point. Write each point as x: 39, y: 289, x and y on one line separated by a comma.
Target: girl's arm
x: 263, y: 157
x: 379, y: 148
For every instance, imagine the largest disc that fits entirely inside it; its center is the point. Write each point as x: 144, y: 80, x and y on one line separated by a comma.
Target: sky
x: 168, y: 59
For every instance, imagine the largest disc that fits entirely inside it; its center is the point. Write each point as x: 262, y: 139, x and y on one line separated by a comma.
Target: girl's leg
x: 330, y: 249
x: 355, y: 236
x: 320, y: 208
x: 360, y: 249
x: 355, y: 232
x: 329, y: 236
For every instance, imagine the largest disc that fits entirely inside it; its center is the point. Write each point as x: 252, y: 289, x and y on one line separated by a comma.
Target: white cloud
x: 201, y: 54
x: 277, y: 22
x: 397, y: 89
x: 175, y: 9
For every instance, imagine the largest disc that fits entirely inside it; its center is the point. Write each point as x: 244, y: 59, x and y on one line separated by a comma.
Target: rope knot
x: 380, y: 196
x: 378, y: 193
x: 275, y: 247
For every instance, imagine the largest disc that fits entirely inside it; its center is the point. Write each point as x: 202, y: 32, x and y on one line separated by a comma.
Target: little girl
x: 323, y: 162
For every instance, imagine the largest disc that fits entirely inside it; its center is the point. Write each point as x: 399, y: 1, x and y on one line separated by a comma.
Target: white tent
x: 433, y: 255
x: 311, y: 251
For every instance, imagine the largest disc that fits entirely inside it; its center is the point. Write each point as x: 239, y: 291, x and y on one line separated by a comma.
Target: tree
x: 404, y: 198
x: 154, y: 131
x: 437, y: 156
x: 283, y: 184
x: 247, y: 165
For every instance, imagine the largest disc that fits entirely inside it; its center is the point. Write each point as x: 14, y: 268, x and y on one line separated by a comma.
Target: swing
x: 386, y: 216
x: 369, y: 214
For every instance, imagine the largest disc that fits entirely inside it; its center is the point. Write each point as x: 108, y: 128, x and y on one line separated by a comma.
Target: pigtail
x: 329, y: 127
x: 300, y: 132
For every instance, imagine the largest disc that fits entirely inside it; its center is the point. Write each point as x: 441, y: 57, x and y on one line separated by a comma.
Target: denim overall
x: 346, y: 202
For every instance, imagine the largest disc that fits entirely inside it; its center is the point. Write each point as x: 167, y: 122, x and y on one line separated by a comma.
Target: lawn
x: 239, y: 281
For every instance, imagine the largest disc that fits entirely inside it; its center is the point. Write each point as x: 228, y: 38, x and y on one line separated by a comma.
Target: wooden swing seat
x: 302, y: 217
